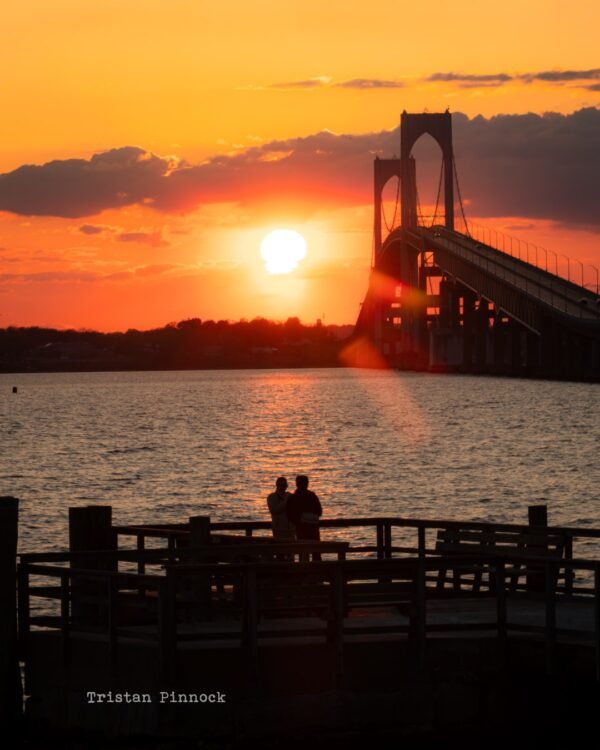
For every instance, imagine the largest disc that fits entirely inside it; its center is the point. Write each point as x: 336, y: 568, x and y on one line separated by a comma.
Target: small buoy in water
x: 15, y: 389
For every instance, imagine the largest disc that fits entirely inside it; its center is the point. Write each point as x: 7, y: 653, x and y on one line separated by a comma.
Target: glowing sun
x: 282, y: 250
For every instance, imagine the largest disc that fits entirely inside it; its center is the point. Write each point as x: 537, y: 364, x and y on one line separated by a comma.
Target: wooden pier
x: 425, y: 625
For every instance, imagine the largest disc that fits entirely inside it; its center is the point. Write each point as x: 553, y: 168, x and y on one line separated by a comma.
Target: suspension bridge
x: 449, y: 295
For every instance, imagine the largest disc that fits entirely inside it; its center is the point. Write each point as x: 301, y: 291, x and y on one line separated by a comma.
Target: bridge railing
x: 573, y: 270
x: 550, y: 289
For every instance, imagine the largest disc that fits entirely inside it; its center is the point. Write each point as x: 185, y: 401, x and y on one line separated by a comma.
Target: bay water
x: 162, y: 446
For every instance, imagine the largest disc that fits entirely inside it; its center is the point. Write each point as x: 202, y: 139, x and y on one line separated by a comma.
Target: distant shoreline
x: 174, y: 369
x: 188, y: 345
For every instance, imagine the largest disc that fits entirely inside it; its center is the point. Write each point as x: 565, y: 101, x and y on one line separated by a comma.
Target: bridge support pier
x: 549, y: 350
x: 468, y: 328
x: 516, y: 359
x: 481, y: 335
x: 533, y: 354
x: 499, y: 337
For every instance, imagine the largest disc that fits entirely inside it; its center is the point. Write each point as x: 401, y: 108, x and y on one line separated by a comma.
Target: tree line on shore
x: 188, y: 344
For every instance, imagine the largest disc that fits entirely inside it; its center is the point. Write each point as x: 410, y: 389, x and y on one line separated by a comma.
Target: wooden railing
x: 333, y: 587
x: 381, y: 528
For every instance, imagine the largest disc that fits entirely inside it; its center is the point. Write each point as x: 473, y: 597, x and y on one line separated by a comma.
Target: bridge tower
x: 412, y: 127
x: 400, y: 272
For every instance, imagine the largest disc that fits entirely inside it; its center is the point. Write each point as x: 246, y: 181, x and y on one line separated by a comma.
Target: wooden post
x: 597, y: 618
x: 250, y: 637
x: 141, y: 565
x: 23, y: 609
x: 113, y: 627
x: 337, y: 584
x: 501, y: 611
x: 569, y: 571
x: 537, y: 515
x: 387, y: 540
x: 420, y: 628
x: 380, y: 545
x: 380, y: 551
x: 167, y: 629
x: 164, y: 634
x: 90, y: 529
x: 64, y: 623
x: 199, y: 531
x: 201, y: 584
x: 550, y: 618
x: 10, y: 678
x: 422, y: 543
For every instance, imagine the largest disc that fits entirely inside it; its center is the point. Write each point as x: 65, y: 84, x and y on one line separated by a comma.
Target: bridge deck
x: 557, y: 294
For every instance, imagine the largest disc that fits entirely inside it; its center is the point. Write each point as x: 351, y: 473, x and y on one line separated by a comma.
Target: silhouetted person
x: 304, y: 510
x: 278, y: 502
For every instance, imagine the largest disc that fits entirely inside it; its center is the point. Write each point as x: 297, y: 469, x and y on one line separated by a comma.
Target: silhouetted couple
x: 295, y: 516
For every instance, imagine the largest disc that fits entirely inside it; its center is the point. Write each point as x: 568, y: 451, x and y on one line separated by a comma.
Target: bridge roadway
x: 523, y: 291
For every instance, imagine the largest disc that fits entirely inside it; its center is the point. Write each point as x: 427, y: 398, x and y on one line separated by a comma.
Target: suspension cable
x: 420, y: 221
x: 460, y: 200
x: 439, y: 191
x: 389, y: 227
x: 373, y: 258
x: 397, y: 203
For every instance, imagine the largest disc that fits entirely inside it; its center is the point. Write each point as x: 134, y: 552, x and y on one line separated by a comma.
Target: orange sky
x: 195, y: 81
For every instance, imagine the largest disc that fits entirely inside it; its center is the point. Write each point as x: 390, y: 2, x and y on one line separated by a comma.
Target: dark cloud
x: 297, y: 174
x: 536, y: 166
x: 519, y: 227
x: 531, y: 166
x: 467, y: 78
x: 364, y: 84
x: 91, y: 229
x: 49, y: 276
x: 309, y: 83
x: 154, y: 239
x: 370, y: 83
x: 78, y: 187
x: 561, y: 76
x: 463, y: 80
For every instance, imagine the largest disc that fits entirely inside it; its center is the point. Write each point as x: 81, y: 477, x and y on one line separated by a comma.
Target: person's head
x: 281, y: 484
x: 301, y: 482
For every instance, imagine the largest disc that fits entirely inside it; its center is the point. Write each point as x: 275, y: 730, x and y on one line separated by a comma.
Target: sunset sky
x: 146, y: 147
